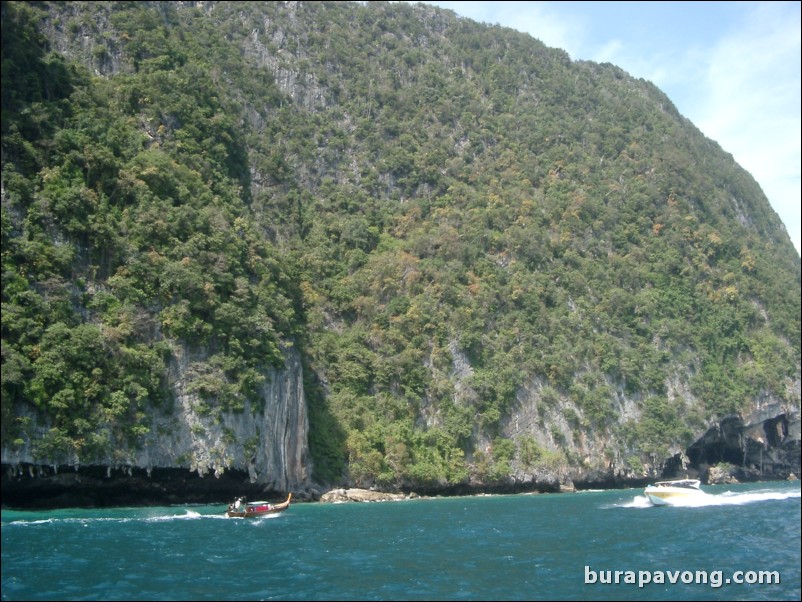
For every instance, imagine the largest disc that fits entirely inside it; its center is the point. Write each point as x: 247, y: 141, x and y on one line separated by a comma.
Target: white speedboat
x: 674, y: 493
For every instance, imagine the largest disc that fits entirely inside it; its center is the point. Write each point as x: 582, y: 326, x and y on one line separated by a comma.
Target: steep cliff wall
x: 571, y: 445
x: 211, y: 456
x: 762, y: 443
x: 509, y: 269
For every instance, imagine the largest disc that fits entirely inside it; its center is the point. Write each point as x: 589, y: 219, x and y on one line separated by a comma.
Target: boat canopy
x: 681, y: 483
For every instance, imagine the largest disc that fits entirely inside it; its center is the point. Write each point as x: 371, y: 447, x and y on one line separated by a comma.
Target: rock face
x: 268, y: 442
x: 362, y: 495
x: 764, y: 443
x: 188, y: 456
x: 761, y: 444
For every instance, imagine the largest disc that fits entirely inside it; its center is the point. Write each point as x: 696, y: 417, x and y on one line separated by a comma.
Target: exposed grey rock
x: 263, y: 448
x: 361, y: 495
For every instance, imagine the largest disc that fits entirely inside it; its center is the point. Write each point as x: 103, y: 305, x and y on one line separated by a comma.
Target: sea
x: 741, y: 542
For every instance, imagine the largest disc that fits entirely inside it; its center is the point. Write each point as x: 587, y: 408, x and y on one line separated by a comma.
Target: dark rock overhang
x: 768, y: 448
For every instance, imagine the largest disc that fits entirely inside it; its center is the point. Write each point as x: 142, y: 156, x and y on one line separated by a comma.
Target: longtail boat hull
x: 258, y: 509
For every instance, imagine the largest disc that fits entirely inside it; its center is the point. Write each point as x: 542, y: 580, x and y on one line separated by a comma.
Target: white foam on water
x: 728, y: 498
x: 639, y: 501
x: 189, y: 515
x: 731, y: 498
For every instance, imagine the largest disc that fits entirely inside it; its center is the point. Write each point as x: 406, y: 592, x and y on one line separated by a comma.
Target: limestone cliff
x: 261, y: 449
x: 504, y: 269
x: 762, y: 442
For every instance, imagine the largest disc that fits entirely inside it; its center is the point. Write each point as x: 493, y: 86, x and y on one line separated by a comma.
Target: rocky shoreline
x: 37, y: 487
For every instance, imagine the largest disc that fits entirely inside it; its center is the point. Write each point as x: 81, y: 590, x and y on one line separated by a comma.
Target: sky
x: 732, y: 68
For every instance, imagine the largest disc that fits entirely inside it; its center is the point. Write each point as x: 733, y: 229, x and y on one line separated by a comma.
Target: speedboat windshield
x: 687, y: 483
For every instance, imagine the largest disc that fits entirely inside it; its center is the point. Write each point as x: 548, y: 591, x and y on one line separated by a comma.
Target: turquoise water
x: 518, y: 547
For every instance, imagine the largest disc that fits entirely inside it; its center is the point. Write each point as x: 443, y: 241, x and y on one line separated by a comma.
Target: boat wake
x: 731, y: 498
x: 187, y: 515
x: 728, y: 498
x: 155, y: 518
x: 640, y: 501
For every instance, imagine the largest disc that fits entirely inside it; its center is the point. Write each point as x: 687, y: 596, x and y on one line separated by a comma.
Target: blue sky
x: 732, y: 68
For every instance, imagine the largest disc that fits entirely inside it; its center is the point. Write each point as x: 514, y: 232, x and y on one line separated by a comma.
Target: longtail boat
x: 256, y: 509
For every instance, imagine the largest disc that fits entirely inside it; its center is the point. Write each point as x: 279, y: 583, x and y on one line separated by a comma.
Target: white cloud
x: 752, y: 106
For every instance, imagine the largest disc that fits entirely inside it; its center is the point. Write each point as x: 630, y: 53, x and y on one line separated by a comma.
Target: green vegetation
x: 395, y: 192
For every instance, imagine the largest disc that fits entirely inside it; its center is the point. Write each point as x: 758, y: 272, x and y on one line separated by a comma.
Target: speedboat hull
x: 669, y: 497
x: 674, y: 493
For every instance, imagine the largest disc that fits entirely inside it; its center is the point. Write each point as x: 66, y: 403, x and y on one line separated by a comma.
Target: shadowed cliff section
x: 28, y: 487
